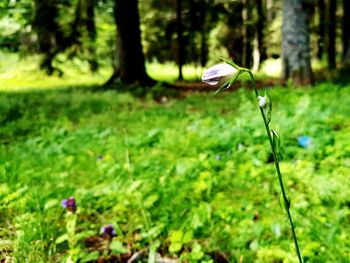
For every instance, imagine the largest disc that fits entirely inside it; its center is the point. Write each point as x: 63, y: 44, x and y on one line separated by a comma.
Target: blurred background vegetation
x: 179, y: 33
x: 183, y: 176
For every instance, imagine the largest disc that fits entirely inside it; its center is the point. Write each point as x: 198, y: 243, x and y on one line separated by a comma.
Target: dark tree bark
x: 130, y: 60
x: 48, y: 31
x: 296, y: 42
x: 260, y: 28
x: 204, y: 48
x: 92, y: 33
x: 77, y: 22
x: 331, y: 34
x: 180, y: 42
x: 321, y: 6
x: 346, y: 33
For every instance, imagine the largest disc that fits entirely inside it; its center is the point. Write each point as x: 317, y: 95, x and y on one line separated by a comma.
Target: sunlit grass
x: 21, y: 73
x: 169, y: 72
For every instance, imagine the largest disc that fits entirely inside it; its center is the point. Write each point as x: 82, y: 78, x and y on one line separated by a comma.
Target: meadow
x: 188, y: 177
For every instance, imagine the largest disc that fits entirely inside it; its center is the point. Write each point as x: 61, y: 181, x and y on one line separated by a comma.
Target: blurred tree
x: 84, y: 31
x: 57, y: 33
x: 346, y: 33
x: 15, y: 29
x: 321, y: 8
x: 92, y: 33
x: 231, y: 38
x: 129, y: 61
x: 50, y: 35
x: 203, y: 15
x: 180, y: 41
x: 260, y: 30
x: 247, y: 33
x: 332, y: 6
x: 296, y: 62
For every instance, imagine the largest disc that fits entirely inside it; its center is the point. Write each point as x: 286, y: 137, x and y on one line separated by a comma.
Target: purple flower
x: 304, y: 141
x: 218, y: 73
x: 108, y: 231
x: 69, y: 204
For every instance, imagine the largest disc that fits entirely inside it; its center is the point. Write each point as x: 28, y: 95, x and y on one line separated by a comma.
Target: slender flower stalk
x: 273, y: 137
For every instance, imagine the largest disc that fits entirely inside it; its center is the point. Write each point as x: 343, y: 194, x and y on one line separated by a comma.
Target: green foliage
x: 189, y: 178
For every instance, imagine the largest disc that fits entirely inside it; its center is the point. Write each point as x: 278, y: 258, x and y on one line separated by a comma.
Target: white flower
x: 262, y: 101
x: 215, y: 74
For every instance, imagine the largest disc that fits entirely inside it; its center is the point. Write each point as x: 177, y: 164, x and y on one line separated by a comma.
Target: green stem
x: 275, y: 158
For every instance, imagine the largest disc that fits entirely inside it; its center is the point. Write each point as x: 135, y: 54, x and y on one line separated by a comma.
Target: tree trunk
x: 92, y: 32
x: 346, y: 33
x: 321, y: 6
x: 204, y: 48
x: 180, y: 44
x: 260, y: 28
x: 130, y: 60
x: 331, y: 34
x: 48, y: 31
x: 296, y: 42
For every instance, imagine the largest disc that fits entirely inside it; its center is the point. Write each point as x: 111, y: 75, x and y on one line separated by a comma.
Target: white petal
x: 262, y: 101
x: 213, y: 74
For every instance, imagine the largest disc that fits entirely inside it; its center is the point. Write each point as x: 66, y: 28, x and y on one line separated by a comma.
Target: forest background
x: 111, y: 150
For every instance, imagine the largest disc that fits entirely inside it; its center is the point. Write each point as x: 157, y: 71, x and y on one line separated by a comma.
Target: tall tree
x: 180, y: 42
x: 247, y: 33
x: 296, y: 42
x: 346, y: 33
x: 332, y: 6
x: 50, y: 35
x: 130, y: 60
x: 321, y: 6
x: 260, y: 30
x: 92, y: 32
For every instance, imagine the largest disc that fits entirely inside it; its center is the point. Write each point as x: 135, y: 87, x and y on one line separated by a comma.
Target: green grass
x: 190, y: 178
x: 22, y: 73
x: 197, y: 166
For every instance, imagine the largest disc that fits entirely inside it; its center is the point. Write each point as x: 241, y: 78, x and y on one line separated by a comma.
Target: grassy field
x: 190, y: 178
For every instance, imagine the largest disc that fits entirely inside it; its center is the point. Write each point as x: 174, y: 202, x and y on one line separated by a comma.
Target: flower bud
x: 69, y: 204
x: 218, y: 73
x: 108, y: 231
x: 262, y: 101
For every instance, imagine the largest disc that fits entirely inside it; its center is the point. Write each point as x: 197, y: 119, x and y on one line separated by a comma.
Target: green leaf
x: 153, y: 232
x: 150, y: 200
x: 176, y: 236
x: 267, y: 109
x: 276, y: 141
x: 51, y: 203
x: 61, y: 239
x: 187, y: 237
x: 230, y: 62
x: 84, y: 234
x: 197, y: 252
x: 117, y: 247
x: 175, y: 247
x: 284, y: 205
x: 227, y: 84
x: 152, y: 256
x: 93, y: 256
